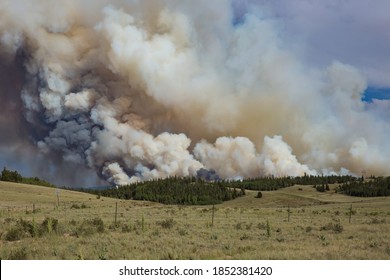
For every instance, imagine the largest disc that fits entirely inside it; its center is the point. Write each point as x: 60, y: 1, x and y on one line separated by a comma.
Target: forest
x: 16, y: 177
x: 271, y: 183
x: 198, y: 191
x: 186, y: 191
x: 376, y: 186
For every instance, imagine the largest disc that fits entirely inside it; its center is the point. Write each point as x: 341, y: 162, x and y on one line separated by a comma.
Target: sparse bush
x: 126, y: 228
x: 114, y: 226
x: 374, y: 221
x: 103, y: 253
x: 261, y: 225
x: 244, y: 237
x: 244, y: 249
x: 373, y: 244
x: 321, y: 237
x: 9, y: 220
x: 214, y: 236
x: 34, y: 230
x: 14, y: 234
x: 248, y: 226
x: 238, y: 226
x: 20, y: 254
x: 22, y: 229
x: 182, y: 232
x: 99, y: 224
x: 90, y: 227
x: 167, y: 224
x: 49, y: 225
x: 170, y: 255
x: 336, y: 228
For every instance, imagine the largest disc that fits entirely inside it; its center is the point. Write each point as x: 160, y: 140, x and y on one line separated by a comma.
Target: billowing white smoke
x: 141, y: 90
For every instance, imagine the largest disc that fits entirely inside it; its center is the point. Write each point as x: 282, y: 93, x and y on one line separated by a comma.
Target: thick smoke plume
x: 136, y: 90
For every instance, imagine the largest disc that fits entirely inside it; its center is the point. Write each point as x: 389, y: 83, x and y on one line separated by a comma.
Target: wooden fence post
x: 350, y: 213
x: 212, y: 216
x: 116, y: 212
x: 288, y: 213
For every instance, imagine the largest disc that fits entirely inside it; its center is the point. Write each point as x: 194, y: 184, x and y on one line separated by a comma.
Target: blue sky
x: 376, y: 93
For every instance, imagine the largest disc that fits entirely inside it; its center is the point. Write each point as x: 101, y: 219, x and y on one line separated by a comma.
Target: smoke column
x: 136, y: 90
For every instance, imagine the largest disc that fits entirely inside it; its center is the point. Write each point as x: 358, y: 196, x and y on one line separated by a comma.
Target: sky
x: 120, y: 91
x: 355, y: 32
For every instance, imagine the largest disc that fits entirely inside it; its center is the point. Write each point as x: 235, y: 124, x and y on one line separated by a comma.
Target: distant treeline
x: 192, y: 191
x: 187, y: 191
x: 16, y: 177
x: 379, y: 186
x: 272, y: 183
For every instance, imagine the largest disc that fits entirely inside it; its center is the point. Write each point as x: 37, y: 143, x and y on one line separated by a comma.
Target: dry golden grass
x: 319, y: 226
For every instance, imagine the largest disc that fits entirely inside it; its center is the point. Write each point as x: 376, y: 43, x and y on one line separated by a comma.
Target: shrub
x: 244, y: 237
x: 14, y: 234
x: 21, y: 230
x: 20, y: 254
x: 248, y: 226
x: 336, y: 228
x: 182, y: 232
x: 34, y: 230
x: 376, y: 221
x: 238, y: 226
x: 90, y: 227
x: 49, y: 225
x: 99, y: 224
x: 259, y: 195
x: 126, y: 228
x: 261, y: 225
x: 167, y: 224
x: 309, y: 229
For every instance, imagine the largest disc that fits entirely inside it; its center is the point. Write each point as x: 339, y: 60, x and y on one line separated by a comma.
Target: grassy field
x: 292, y: 223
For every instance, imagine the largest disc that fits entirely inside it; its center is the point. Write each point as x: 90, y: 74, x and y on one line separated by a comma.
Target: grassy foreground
x: 292, y: 223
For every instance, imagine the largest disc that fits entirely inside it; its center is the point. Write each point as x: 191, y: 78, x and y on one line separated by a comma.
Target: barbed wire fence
x: 210, y: 215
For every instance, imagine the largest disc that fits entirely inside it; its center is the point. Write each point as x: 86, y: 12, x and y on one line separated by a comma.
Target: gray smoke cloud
x: 131, y: 91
